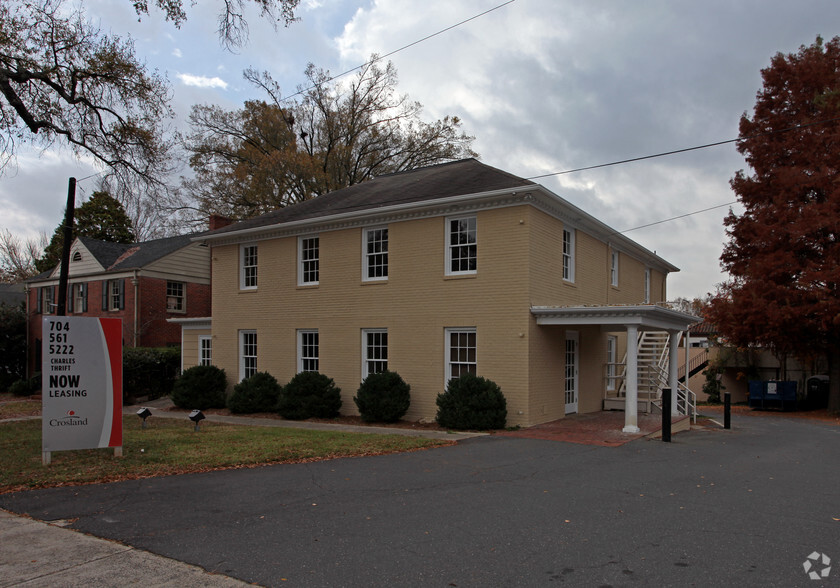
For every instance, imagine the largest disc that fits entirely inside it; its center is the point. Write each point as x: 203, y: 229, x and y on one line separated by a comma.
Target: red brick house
x: 144, y: 284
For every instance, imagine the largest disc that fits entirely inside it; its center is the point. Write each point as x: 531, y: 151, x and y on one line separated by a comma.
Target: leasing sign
x: 82, y: 383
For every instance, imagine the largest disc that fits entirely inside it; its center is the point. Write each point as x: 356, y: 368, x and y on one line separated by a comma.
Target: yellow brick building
x: 450, y: 268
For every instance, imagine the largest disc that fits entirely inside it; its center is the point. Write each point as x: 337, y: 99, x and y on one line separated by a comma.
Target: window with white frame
x: 612, y: 358
x: 48, y: 305
x: 308, y: 344
x: 614, y: 268
x: 175, y: 297
x: 568, y: 255
x: 308, y: 260
x: 462, y: 248
x: 79, y: 298
x: 113, y: 294
x: 647, y: 286
x: 205, y: 350
x: 247, y: 354
x: 248, y: 267
x: 375, y: 351
x: 460, y: 352
x: 375, y: 254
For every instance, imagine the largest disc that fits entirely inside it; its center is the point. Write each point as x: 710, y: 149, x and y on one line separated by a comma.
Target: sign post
x: 82, y: 384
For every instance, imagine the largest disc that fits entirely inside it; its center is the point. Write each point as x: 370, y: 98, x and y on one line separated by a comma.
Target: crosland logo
x: 817, y: 566
x: 70, y: 419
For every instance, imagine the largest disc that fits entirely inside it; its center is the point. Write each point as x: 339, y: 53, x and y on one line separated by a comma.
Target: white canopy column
x: 673, y: 380
x: 631, y: 399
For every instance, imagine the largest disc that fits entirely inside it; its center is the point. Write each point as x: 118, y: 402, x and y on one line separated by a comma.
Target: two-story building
x: 144, y: 284
x: 431, y: 273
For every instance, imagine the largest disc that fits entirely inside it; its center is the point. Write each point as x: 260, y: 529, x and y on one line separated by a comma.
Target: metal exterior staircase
x: 652, y: 369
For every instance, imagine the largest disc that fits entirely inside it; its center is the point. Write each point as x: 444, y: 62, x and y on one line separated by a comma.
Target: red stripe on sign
x: 112, y: 329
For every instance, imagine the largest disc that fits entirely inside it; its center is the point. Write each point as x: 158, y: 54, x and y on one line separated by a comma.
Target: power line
x: 659, y: 222
x: 706, y: 146
x: 412, y: 44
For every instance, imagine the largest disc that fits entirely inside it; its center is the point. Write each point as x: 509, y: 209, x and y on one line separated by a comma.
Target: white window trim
x: 449, y: 246
x: 614, y: 268
x: 300, y: 334
x: 448, y: 349
x: 365, y: 359
x: 301, y: 281
x: 201, y: 340
x: 242, y: 356
x: 366, y: 255
x: 612, y: 358
x: 183, y: 297
x: 242, y: 248
x: 647, y: 285
x: 571, y: 277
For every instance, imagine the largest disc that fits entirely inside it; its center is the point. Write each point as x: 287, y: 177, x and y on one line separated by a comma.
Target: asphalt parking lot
x: 742, y: 507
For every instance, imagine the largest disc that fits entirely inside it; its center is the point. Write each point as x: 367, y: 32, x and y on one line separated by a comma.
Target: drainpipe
x: 136, y: 283
x: 27, y: 371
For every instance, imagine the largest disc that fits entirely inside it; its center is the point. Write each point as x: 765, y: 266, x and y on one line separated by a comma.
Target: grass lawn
x: 171, y: 446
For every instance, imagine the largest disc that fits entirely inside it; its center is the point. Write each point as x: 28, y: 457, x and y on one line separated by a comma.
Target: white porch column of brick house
x: 631, y: 399
x: 673, y: 380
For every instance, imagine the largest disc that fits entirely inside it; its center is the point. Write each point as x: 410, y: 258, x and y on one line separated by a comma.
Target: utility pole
x: 65, y: 250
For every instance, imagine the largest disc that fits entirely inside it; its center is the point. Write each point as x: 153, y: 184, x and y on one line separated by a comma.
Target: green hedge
x: 149, y: 372
x: 259, y: 393
x: 383, y: 397
x: 200, y: 387
x: 472, y: 402
x: 309, y: 394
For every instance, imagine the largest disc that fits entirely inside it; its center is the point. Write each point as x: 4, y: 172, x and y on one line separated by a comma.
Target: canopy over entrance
x: 633, y: 318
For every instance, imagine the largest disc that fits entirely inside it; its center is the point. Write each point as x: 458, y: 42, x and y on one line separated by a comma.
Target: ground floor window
x: 460, y: 352
x: 375, y: 351
x: 612, y: 359
x: 247, y: 354
x: 205, y: 350
x: 308, y: 351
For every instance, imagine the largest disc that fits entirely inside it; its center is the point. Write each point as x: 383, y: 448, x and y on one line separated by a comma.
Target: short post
x: 727, y: 405
x: 666, y: 415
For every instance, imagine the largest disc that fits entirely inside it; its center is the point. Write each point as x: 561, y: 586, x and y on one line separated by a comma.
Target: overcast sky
x: 545, y: 86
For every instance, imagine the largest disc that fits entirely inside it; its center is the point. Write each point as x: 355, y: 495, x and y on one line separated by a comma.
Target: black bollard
x: 727, y: 418
x: 666, y: 415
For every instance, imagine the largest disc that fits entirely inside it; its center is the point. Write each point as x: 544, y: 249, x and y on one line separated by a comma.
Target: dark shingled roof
x: 457, y: 178
x: 120, y: 257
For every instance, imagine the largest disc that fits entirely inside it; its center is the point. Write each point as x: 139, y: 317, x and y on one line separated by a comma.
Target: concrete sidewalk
x: 33, y: 553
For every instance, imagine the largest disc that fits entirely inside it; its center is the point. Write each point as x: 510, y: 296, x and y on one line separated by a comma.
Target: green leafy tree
x: 12, y: 344
x: 783, y: 253
x: 278, y: 152
x: 102, y: 217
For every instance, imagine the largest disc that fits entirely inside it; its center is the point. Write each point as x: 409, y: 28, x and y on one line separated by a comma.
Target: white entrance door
x: 571, y: 373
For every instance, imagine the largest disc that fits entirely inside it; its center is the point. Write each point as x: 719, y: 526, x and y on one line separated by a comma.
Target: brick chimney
x: 217, y: 221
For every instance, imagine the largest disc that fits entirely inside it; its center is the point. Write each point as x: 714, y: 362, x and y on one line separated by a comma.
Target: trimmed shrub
x: 307, y: 395
x: 383, y: 397
x: 26, y: 387
x: 21, y: 388
x: 200, y: 387
x: 471, y: 402
x: 259, y: 393
x: 149, y: 372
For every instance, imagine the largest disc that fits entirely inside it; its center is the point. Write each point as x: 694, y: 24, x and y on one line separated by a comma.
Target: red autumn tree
x: 783, y: 254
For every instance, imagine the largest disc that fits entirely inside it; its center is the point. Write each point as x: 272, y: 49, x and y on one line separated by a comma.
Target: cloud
x: 177, y: 53
x: 202, y: 81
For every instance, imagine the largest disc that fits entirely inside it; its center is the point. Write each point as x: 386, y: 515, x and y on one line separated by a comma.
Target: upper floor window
x: 375, y: 350
x: 614, y: 268
x: 79, y: 298
x: 248, y: 267
x: 647, y: 286
x: 77, y: 256
x: 462, y: 248
x: 46, y: 300
x: 247, y: 354
x: 460, y: 352
x: 308, y: 349
x: 175, y: 297
x: 375, y: 256
x: 308, y: 260
x: 568, y: 255
x: 113, y: 295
